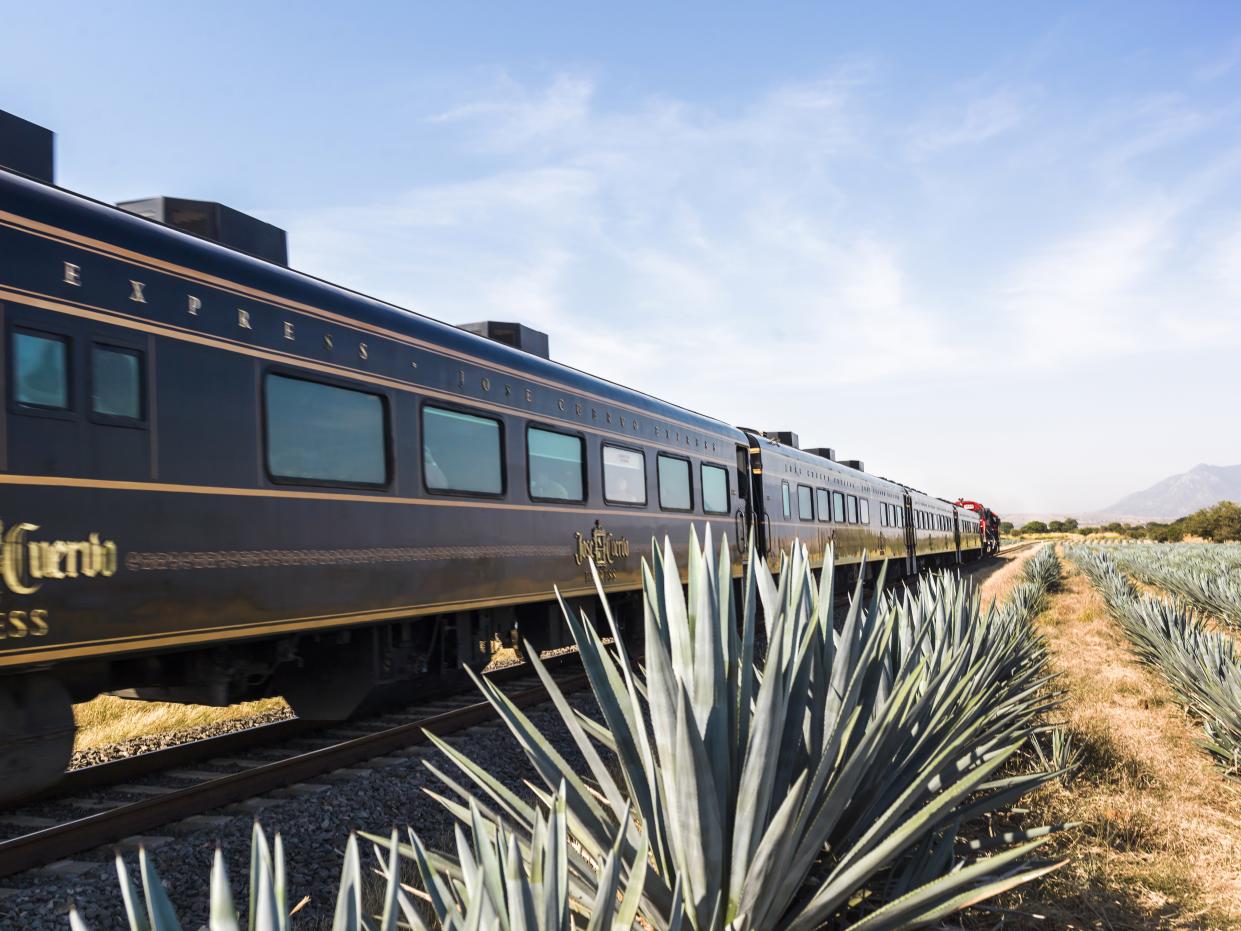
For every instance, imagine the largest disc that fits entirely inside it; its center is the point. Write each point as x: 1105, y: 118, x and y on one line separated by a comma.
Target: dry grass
x: 109, y: 720
x: 1161, y: 846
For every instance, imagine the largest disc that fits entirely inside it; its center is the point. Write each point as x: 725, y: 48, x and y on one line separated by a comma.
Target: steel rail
x: 63, y: 840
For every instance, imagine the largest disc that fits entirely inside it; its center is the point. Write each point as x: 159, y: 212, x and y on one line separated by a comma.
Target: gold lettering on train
x: 17, y: 624
x: 288, y: 330
x: 327, y: 341
x: 243, y: 319
x: 136, y: 293
x: 38, y: 623
x: 73, y: 274
x: 25, y: 564
x: 193, y: 305
x: 363, y: 352
x: 601, y: 547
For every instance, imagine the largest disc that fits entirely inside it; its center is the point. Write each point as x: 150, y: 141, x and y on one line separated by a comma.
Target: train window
x: 320, y: 433
x: 41, y: 371
x: 461, y: 452
x: 864, y: 505
x: 805, y: 502
x: 838, y: 507
x: 675, y: 493
x: 116, y: 382
x: 788, y: 502
x: 852, y: 502
x: 824, y: 503
x: 556, y: 464
x: 714, y: 489
x: 624, y: 475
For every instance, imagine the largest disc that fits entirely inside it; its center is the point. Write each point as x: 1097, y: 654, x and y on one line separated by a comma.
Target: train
x: 223, y: 479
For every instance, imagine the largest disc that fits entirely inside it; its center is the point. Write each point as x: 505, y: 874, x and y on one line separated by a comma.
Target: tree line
x: 1219, y: 523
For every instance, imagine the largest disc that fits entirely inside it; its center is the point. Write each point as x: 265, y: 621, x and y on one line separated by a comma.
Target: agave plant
x: 1043, y: 570
x: 826, y: 788
x: 1061, y: 753
x: 268, y: 902
x: 1202, y: 665
x: 1208, y: 576
x: 497, y: 882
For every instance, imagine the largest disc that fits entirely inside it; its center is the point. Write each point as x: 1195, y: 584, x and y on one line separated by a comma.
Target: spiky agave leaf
x: 856, y: 748
x: 502, y: 882
x: 267, y: 900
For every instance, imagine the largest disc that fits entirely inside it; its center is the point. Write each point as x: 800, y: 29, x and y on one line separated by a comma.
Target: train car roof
x: 815, y: 461
x: 97, y: 220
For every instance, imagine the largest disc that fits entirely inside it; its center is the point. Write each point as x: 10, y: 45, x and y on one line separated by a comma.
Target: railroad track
x: 195, y: 792
x: 1018, y: 547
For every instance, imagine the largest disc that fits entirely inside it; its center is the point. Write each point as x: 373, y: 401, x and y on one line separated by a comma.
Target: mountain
x: 1200, y: 487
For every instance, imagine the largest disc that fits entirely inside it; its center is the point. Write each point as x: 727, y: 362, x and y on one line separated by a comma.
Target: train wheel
x: 36, y: 735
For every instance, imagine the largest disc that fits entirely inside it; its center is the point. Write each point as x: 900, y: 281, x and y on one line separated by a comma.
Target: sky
x: 992, y: 250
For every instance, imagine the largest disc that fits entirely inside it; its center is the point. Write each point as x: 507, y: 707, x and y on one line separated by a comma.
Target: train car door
x: 117, y: 403
x: 956, y: 532
x: 751, y: 472
x: 743, y: 517
x: 911, y: 536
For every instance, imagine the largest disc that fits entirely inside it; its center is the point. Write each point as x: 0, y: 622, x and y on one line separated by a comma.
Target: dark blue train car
x: 222, y: 479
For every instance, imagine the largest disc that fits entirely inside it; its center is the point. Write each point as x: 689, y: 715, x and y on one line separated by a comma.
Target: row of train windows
x: 41, y: 377
x: 840, y: 508
x: 325, y: 434
x: 818, y: 502
x: 928, y: 520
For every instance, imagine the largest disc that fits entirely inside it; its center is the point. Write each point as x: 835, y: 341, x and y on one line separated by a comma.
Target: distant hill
x: 1200, y: 487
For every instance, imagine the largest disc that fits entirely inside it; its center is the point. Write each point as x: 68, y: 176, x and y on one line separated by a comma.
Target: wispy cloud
x: 794, y: 252
x: 969, y: 122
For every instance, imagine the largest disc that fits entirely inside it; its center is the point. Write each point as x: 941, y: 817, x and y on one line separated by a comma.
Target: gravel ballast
x: 315, y: 828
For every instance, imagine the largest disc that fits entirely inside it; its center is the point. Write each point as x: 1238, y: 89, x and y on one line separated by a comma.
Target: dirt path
x: 1002, y: 573
x: 1162, y: 846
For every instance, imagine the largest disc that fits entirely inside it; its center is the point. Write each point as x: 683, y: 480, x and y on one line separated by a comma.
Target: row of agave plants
x: 840, y: 781
x: 1201, y: 664
x: 1207, y: 575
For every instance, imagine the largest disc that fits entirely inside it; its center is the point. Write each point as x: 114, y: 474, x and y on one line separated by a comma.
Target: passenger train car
x: 222, y: 479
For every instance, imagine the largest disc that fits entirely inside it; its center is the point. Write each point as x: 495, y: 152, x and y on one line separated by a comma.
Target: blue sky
x: 990, y: 249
